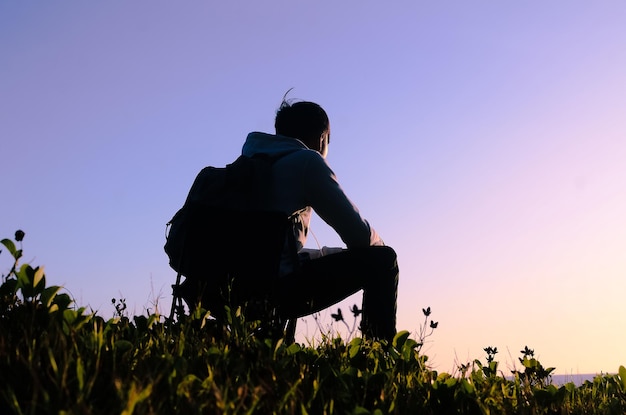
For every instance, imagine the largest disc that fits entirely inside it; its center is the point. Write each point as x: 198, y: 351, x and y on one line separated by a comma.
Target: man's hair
x: 304, y: 120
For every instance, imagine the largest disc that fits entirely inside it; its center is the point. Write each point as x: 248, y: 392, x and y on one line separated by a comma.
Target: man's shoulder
x: 305, y: 155
x: 306, y: 163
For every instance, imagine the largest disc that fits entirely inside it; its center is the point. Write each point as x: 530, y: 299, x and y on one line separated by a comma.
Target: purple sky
x: 485, y: 141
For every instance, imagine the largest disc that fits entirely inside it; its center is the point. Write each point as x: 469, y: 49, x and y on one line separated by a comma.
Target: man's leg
x: 325, y: 281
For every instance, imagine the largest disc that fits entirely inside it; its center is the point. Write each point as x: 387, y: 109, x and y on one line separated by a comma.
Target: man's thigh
x: 325, y: 281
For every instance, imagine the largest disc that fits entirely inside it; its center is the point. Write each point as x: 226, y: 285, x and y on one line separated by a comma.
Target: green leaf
x: 356, y: 341
x: 451, y: 382
x: 530, y: 363
x: 10, y: 246
x: 25, y: 276
x: 400, y: 338
x: 123, y: 345
x: 493, y: 366
x: 467, y: 387
x: 185, y: 387
x: 622, y: 375
x: 39, y: 280
x: 80, y: 373
x: 53, y: 361
x: 408, y: 349
x: 48, y: 295
x: 62, y: 301
x: 279, y: 346
x: 154, y: 319
x: 69, y: 316
x: 293, y: 348
x: 75, y: 318
x: 354, y: 350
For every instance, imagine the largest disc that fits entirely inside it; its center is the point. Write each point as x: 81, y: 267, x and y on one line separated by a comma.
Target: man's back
x: 302, y: 180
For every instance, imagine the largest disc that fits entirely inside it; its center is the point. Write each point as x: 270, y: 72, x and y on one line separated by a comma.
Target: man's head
x: 305, y: 121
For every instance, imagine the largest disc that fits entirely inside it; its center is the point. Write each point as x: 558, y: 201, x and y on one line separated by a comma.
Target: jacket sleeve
x: 329, y: 201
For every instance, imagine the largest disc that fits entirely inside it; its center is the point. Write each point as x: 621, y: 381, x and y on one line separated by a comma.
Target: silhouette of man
x: 302, y: 181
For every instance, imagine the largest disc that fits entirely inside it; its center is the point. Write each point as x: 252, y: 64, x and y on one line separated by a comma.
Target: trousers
x: 317, y: 284
x: 322, y: 282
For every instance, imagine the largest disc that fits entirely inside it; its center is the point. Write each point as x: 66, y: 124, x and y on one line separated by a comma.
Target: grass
x: 58, y: 358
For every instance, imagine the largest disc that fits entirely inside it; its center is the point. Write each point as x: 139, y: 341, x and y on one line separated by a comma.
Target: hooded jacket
x: 301, y: 181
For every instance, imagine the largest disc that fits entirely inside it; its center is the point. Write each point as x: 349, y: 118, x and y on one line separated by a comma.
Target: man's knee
x: 383, y: 256
x: 388, y: 253
x: 376, y: 264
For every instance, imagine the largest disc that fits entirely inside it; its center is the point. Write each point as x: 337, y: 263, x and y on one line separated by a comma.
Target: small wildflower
x: 491, y: 350
x: 355, y: 310
x: 426, y: 311
x: 434, y: 324
x: 491, y: 353
x: 19, y: 235
x: 338, y: 316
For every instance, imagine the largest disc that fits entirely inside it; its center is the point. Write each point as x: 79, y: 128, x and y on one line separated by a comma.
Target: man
x: 302, y: 181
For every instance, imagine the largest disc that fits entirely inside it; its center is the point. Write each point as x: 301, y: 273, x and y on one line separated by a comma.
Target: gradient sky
x: 484, y: 140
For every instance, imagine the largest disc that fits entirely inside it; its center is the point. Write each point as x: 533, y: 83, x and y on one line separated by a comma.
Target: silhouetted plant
x: 54, y: 359
x: 428, y: 323
x: 120, y: 307
x: 491, y: 368
x: 534, y: 373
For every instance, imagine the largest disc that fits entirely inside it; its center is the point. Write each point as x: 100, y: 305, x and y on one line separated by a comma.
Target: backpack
x: 224, y: 240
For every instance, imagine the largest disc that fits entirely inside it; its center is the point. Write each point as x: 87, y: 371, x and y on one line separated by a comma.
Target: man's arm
x: 330, y: 202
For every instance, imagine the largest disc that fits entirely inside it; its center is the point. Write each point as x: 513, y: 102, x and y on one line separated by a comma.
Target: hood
x: 272, y: 145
